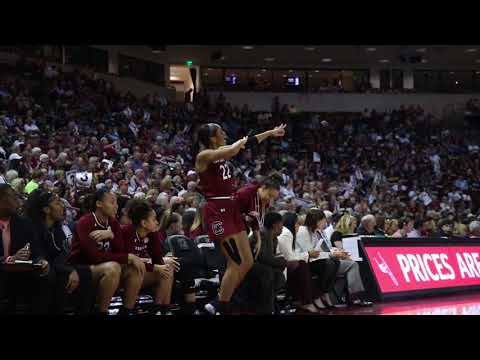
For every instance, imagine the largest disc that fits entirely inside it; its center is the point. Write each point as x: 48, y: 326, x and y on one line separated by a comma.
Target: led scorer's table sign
x: 408, y: 267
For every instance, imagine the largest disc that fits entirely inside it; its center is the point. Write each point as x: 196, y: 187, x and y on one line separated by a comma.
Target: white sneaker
x: 310, y: 308
x: 319, y: 303
x: 211, y: 309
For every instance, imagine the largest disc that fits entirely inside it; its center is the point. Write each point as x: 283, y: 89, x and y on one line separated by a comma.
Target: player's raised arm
x: 225, y: 152
x: 278, y: 131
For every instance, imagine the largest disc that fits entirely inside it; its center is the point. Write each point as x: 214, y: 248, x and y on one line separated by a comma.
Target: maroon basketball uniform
x: 87, y: 251
x: 221, y: 213
x: 147, y: 248
x: 250, y: 205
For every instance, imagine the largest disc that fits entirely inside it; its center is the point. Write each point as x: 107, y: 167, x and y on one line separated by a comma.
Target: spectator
x: 346, y: 267
x: 445, y: 228
x: 328, y: 231
x: 428, y: 227
x: 171, y: 224
x: 368, y: 226
x: 18, y: 185
x: 390, y: 227
x: 37, y: 176
x: 192, y: 223
x: 405, y: 226
x: 10, y: 176
x: 474, y: 228
x: 345, y: 226
x: 30, y: 126
x: 460, y: 230
x: 416, y: 231
x: 299, y: 279
x: 321, y: 263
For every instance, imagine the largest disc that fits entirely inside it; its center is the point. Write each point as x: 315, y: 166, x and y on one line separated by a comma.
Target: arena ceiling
x: 326, y: 56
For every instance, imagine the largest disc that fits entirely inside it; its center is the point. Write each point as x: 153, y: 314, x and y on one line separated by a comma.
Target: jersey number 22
x: 226, y: 172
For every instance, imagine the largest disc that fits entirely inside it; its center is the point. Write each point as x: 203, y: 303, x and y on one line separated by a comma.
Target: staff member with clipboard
x: 22, y: 268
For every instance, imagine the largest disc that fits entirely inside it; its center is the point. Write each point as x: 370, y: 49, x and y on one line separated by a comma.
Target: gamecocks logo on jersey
x: 217, y: 228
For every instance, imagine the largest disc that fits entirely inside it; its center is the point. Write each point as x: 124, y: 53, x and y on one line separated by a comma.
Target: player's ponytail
x: 273, y: 181
x: 90, y: 200
x: 206, y: 132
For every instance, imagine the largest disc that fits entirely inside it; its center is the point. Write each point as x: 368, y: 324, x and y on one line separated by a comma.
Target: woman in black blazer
x: 47, y: 212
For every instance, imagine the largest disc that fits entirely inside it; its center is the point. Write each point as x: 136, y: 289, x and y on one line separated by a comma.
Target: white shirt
x: 285, y: 247
x: 68, y: 235
x: 134, y: 128
x: 308, y: 242
x: 29, y: 128
x: 328, y: 231
x: 413, y: 234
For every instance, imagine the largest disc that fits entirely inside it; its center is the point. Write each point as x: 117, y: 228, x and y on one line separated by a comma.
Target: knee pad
x: 232, y: 250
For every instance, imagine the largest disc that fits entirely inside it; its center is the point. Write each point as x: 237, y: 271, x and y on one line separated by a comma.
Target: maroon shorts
x: 222, y: 218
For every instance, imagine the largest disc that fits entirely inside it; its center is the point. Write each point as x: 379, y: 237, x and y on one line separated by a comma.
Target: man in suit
x: 20, y: 243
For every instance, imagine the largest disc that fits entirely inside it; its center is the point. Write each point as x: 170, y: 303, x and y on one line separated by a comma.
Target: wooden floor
x: 459, y: 304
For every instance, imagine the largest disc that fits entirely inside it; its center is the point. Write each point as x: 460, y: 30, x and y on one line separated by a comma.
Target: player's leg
x: 237, y: 251
x: 107, y: 276
x: 131, y: 282
x: 162, y: 287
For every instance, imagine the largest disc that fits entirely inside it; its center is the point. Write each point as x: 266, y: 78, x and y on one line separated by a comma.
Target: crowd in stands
x: 472, y: 107
x: 93, y: 182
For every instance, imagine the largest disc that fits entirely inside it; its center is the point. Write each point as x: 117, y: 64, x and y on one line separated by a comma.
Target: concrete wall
x: 136, y: 51
x: 408, y: 79
x: 433, y: 103
x: 375, y: 78
x: 137, y: 87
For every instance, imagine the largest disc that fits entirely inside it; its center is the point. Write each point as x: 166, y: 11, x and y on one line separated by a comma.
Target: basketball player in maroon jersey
x: 221, y: 212
x: 254, y: 199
